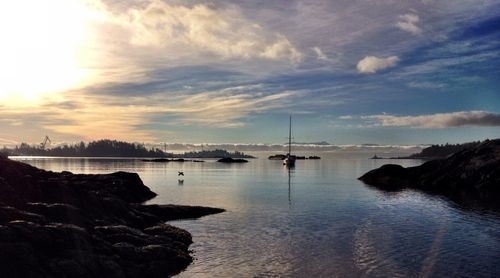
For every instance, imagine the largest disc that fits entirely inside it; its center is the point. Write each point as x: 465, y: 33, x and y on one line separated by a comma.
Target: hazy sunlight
x: 39, y: 50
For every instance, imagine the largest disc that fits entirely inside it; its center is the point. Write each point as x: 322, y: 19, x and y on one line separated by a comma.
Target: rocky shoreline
x: 470, y: 176
x: 69, y: 225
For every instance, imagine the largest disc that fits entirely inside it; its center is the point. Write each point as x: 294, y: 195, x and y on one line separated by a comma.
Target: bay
x: 314, y: 220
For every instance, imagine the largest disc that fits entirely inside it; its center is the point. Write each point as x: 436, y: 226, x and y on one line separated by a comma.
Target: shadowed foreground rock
x: 66, y: 225
x: 471, y: 175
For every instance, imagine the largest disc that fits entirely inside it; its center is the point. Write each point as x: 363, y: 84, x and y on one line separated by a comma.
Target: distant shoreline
x: 407, y: 157
x: 145, y: 159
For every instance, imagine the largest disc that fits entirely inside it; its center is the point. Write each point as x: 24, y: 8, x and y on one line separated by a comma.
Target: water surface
x: 316, y: 220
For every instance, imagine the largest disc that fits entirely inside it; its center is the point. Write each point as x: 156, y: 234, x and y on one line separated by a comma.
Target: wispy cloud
x: 427, y: 85
x: 440, y: 120
x: 408, y: 22
x: 346, y: 117
x: 6, y: 141
x: 225, y: 108
x: 319, y: 54
x: 101, y: 116
x: 372, y: 64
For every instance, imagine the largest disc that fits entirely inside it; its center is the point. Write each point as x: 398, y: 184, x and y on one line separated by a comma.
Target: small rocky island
x: 232, y: 160
x: 68, y: 225
x: 470, y: 175
x: 217, y: 153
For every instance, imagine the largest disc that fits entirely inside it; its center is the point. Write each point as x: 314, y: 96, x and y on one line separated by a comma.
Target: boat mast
x: 290, y: 137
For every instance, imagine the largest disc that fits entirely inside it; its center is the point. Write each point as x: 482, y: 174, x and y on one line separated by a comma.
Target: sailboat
x: 289, y: 160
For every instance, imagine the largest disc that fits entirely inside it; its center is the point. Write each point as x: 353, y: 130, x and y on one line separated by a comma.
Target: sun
x: 40, y: 48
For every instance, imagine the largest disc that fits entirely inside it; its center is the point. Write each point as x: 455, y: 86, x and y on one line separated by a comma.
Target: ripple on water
x: 325, y: 223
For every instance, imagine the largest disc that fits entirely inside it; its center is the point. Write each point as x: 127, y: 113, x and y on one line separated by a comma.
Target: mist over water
x: 314, y: 220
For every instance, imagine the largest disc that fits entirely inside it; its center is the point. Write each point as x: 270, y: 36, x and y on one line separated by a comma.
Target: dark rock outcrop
x: 232, y: 160
x: 277, y: 157
x: 67, y: 225
x: 471, y: 174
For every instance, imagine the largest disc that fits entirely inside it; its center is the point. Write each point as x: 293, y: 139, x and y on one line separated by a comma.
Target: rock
x: 170, y: 231
x: 277, y: 157
x: 232, y: 160
x: 389, y: 175
x: 157, y: 160
x: 177, y: 211
x: 68, y: 225
x: 8, y: 213
x: 471, y: 175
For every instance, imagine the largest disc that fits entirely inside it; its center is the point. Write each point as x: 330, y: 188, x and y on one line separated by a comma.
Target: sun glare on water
x: 39, y: 49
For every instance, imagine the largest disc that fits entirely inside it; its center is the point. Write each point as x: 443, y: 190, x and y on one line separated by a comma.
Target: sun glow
x: 40, y: 49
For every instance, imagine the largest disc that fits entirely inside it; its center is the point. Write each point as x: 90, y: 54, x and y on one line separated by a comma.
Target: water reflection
x: 314, y: 220
x: 289, y: 172
x: 468, y: 202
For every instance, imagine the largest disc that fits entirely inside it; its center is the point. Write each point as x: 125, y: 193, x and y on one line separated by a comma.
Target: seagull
x: 180, y: 173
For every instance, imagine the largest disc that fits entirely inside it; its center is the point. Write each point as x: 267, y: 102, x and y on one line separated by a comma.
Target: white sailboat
x: 289, y: 160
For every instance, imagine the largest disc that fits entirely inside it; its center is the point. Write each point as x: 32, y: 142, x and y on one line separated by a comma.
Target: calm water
x: 317, y: 220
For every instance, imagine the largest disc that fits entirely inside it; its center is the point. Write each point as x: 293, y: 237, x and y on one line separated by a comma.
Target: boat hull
x: 289, y: 161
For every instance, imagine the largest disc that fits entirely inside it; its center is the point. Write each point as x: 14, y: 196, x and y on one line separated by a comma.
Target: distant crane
x: 46, y: 141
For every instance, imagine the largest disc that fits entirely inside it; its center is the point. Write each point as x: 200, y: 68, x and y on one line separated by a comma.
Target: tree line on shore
x: 112, y: 148
x: 443, y: 150
x: 100, y: 148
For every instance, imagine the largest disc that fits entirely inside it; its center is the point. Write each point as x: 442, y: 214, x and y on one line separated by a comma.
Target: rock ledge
x: 471, y: 175
x: 67, y: 225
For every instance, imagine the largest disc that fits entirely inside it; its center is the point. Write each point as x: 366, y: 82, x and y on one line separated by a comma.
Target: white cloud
x: 372, y: 64
x: 408, y: 22
x: 223, y: 31
x: 319, y: 54
x: 346, y: 117
x: 440, y: 120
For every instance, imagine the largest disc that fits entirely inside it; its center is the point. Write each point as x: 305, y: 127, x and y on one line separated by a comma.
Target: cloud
x: 222, y: 31
x: 372, y: 64
x: 319, y: 54
x: 145, y: 118
x: 6, y: 141
x: 346, y: 117
x: 427, y: 85
x: 408, y: 22
x: 225, y: 108
x: 100, y: 41
x: 440, y: 120
x: 298, y: 147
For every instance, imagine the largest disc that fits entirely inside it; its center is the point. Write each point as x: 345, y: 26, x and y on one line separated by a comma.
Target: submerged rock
x: 472, y: 174
x: 67, y: 225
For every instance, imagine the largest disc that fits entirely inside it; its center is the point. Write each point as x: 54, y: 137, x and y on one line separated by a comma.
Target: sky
x: 350, y: 72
